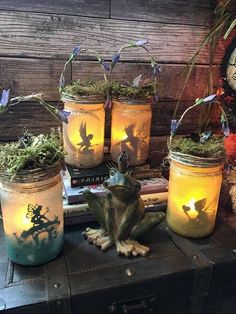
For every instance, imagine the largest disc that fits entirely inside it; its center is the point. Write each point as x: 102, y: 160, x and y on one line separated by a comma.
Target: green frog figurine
x: 121, y: 213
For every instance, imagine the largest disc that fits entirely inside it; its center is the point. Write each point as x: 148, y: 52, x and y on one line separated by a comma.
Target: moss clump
x: 213, y: 148
x: 132, y: 92
x: 31, y: 152
x: 86, y: 88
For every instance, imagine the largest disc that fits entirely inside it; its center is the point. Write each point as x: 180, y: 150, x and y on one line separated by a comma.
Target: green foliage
x: 31, y: 152
x: 86, y: 88
x: 132, y: 92
x: 213, y: 148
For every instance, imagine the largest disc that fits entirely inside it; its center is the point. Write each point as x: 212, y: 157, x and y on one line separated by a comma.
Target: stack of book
x: 154, y: 189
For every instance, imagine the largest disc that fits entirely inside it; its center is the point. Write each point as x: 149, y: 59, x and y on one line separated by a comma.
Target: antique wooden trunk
x: 179, y: 276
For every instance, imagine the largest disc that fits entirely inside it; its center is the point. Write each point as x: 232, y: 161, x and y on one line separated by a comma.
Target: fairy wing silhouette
x: 200, y: 205
x: 30, y: 210
x: 83, y: 131
x: 129, y: 130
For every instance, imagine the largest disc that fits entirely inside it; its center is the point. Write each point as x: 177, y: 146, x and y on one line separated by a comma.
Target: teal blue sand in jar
x: 32, y: 212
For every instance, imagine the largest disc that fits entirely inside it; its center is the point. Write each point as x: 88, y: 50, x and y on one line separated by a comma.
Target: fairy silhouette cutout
x: 131, y: 139
x: 40, y: 223
x: 85, y: 145
x: 200, y: 208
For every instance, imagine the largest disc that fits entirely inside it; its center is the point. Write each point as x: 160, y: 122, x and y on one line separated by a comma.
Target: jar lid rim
x: 86, y: 99
x: 32, y: 175
x: 196, y: 161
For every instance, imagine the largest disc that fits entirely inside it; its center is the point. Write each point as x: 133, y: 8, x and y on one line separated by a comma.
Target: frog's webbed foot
x: 124, y: 248
x: 92, y: 234
x: 98, y: 237
x: 139, y: 249
x: 104, y: 242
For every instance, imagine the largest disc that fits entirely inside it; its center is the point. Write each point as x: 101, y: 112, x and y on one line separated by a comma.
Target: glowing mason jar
x: 32, y: 212
x: 193, y: 198
x: 84, y: 134
x: 130, y: 130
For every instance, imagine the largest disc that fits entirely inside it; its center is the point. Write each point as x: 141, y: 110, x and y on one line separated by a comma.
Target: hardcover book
x: 154, y: 198
x: 88, y: 176
x: 153, y: 185
x: 76, y: 214
x: 81, y: 176
x: 75, y: 194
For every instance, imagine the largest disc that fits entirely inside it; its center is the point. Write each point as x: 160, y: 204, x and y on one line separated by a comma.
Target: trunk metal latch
x: 137, y: 305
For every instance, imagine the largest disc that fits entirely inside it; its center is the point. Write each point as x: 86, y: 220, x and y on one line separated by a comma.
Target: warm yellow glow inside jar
x: 193, y: 199
x: 84, y: 134
x: 33, y: 219
x: 130, y: 130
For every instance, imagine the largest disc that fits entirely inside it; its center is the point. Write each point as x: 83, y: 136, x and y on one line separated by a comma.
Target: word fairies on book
x: 80, y: 176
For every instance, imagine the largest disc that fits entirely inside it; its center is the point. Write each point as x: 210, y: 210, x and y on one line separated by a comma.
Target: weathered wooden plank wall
x: 37, y: 36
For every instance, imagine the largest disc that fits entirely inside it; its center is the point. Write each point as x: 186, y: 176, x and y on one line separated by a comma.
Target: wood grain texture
x: 37, y: 119
x: 30, y: 115
x: 191, y: 12
x: 54, y: 36
x: 27, y: 76
x: 98, y: 8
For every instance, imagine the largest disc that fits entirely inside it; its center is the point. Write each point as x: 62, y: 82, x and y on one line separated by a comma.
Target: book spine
x: 149, y: 189
x: 148, y: 199
x: 75, y: 210
x: 79, y: 219
x: 76, y: 215
x: 148, y: 174
x: 71, y: 199
x: 154, y: 198
x: 83, y: 181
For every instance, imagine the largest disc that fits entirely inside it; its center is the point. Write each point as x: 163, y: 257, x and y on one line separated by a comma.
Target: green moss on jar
x: 31, y: 152
x: 86, y: 88
x: 125, y: 91
x: 213, y: 148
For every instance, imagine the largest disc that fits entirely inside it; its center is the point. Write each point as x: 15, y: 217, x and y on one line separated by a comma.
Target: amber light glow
x: 32, y: 220
x: 84, y: 134
x: 193, y: 199
x: 130, y: 130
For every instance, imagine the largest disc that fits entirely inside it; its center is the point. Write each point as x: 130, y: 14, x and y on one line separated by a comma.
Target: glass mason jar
x: 194, y: 190
x: 130, y: 130
x: 84, y: 134
x: 32, y: 213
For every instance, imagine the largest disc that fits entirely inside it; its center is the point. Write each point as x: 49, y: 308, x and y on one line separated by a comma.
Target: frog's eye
x: 105, y: 184
x: 131, y: 174
x: 112, y: 172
